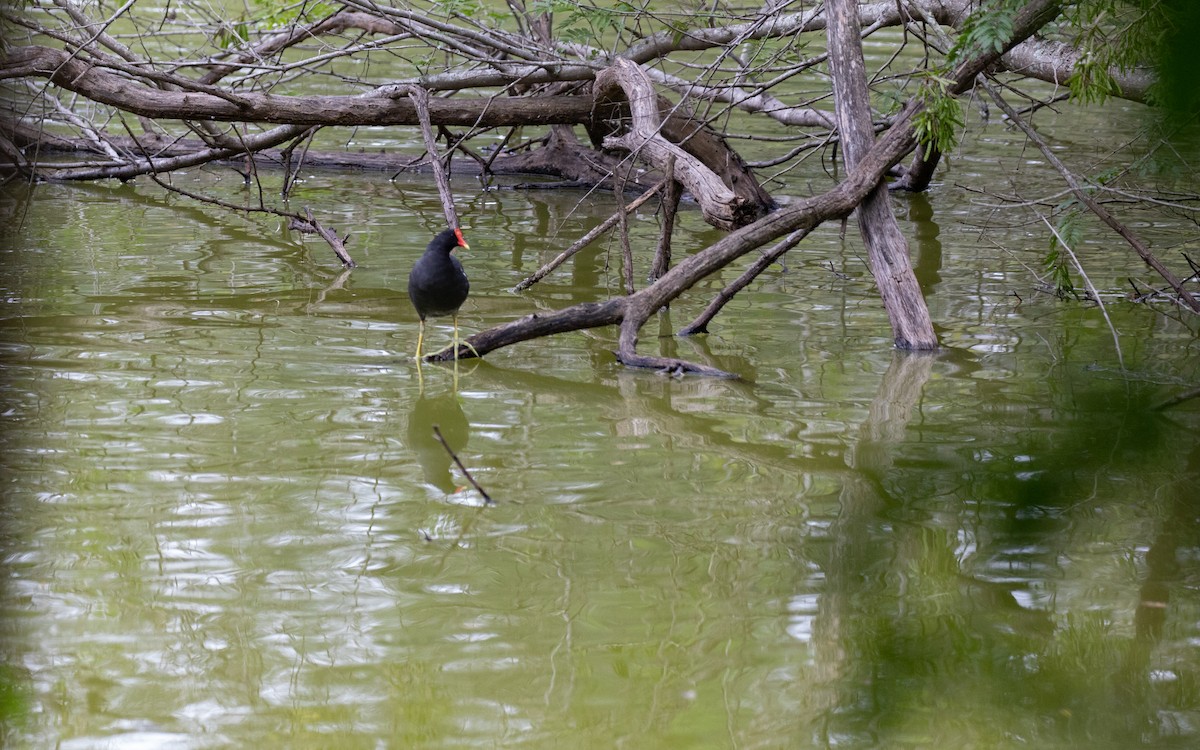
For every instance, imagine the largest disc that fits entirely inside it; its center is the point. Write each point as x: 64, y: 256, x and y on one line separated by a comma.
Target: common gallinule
x: 437, y: 284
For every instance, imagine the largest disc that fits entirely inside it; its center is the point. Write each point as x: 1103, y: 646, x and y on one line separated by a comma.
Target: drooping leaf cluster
x: 938, y: 124
x: 987, y: 29
x: 1124, y: 35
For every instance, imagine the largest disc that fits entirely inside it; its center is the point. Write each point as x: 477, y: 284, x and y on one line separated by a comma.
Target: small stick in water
x: 486, y: 497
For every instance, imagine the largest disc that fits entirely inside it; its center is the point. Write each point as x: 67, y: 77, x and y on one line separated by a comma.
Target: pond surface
x: 228, y: 522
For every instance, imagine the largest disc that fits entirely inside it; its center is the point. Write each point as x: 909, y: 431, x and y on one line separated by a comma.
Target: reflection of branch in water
x: 424, y: 413
x: 438, y: 434
x: 304, y: 224
x: 1178, y: 399
x: 337, y: 285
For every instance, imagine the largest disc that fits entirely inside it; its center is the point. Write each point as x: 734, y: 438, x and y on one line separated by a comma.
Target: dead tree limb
x: 420, y: 98
x: 305, y: 224
x: 700, y: 324
x: 887, y: 248
x: 309, y: 225
x: 623, y: 227
x: 668, y: 205
x: 721, y: 206
x: 384, y: 105
x: 634, y: 310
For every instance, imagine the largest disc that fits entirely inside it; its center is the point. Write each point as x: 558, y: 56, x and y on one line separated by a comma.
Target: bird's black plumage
x: 437, y: 284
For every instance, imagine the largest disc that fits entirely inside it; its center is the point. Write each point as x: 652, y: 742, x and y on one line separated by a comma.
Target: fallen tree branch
x: 380, y: 106
x: 420, y: 98
x: 887, y: 248
x: 700, y: 324
x: 305, y: 224
x: 632, y: 311
x: 309, y: 225
x: 805, y: 214
x: 668, y: 205
x: 622, y: 177
x: 721, y: 206
x: 152, y: 165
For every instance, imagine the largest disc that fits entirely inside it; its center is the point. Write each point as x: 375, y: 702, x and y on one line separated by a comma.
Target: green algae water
x: 227, y: 522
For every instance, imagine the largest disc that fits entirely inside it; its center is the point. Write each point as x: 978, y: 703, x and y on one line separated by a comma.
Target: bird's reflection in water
x: 445, y: 412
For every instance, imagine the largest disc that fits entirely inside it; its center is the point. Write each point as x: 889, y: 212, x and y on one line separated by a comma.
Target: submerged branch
x: 309, y: 225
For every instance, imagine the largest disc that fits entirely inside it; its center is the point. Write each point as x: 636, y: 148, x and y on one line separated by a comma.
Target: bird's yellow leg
x: 420, y: 340
x: 456, y: 343
x: 465, y: 343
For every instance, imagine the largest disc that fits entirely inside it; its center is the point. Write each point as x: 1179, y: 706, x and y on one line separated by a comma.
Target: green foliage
x: 987, y: 29
x: 233, y: 35
x: 1092, y: 81
x: 476, y: 10
x: 1058, y: 261
x: 270, y: 14
x: 1109, y: 35
x: 1121, y: 35
x: 276, y: 13
x: 585, y: 23
x: 463, y: 8
x: 1069, y: 233
x: 937, y: 125
x: 1179, y: 87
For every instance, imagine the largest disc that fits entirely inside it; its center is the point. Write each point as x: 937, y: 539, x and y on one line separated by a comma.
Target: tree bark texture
x: 645, y: 137
x: 887, y: 249
x: 386, y: 105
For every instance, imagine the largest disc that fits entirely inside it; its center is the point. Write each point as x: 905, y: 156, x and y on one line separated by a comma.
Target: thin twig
x: 586, y: 239
x: 312, y: 226
x: 700, y: 324
x: 420, y: 98
x: 295, y: 221
x: 1091, y: 288
x: 437, y: 433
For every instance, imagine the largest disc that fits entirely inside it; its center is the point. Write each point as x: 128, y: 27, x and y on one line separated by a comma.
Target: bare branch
x: 1082, y: 195
x: 586, y: 239
x: 381, y: 106
x: 309, y: 225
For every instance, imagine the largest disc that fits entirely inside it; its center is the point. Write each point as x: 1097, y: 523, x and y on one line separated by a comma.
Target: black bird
x: 437, y: 284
